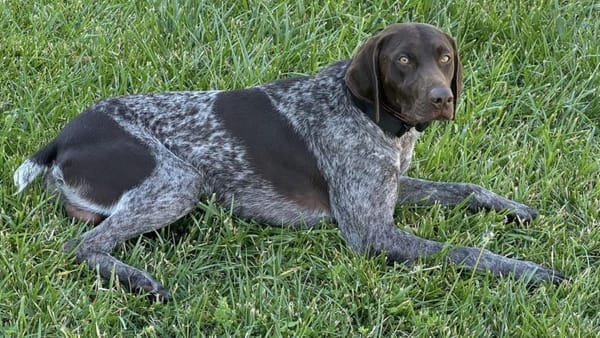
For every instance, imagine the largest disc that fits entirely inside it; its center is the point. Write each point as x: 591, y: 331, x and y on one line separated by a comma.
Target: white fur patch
x: 26, y: 173
x: 73, y: 195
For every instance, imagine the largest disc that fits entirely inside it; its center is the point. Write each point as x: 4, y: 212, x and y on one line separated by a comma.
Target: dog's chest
x: 405, y: 146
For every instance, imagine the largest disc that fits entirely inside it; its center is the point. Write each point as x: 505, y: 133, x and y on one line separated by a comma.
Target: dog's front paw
x: 521, y: 214
x: 545, y: 275
x: 160, y: 294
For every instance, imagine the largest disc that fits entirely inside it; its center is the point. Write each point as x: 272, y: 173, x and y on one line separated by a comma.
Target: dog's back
x: 249, y: 148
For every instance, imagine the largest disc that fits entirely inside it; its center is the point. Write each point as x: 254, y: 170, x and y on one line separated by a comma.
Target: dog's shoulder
x: 319, y: 108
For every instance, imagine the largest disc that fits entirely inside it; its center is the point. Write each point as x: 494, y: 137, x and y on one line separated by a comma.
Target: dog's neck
x: 387, y: 122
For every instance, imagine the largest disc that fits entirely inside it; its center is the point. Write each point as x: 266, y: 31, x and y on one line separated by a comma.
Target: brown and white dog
x: 333, y: 146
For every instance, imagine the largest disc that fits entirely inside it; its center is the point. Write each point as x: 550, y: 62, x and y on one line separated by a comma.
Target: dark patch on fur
x: 96, y: 154
x: 274, y: 148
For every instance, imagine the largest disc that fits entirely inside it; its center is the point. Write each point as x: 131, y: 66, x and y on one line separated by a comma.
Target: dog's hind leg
x: 170, y: 192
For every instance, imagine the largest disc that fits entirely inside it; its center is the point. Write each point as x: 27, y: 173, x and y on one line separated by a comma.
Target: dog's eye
x: 445, y: 59
x: 403, y: 60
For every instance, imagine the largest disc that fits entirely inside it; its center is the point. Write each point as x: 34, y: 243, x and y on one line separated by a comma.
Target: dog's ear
x: 456, y: 85
x: 362, y: 75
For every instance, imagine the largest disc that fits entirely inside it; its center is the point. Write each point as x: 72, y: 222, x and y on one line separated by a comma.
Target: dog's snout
x: 441, y: 96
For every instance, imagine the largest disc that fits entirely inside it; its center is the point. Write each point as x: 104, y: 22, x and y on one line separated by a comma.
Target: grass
x: 527, y: 127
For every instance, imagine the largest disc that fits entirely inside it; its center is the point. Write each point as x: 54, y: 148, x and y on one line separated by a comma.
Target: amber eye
x: 445, y: 59
x: 403, y: 60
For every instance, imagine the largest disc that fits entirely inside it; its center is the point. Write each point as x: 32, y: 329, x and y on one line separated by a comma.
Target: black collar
x: 387, y: 122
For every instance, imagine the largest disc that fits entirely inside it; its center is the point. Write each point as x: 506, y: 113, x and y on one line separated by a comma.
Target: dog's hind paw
x: 141, y: 283
x: 133, y: 279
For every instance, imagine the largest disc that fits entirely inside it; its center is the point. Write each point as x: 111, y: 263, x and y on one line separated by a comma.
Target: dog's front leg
x: 418, y: 191
x: 364, y: 211
x: 402, y: 246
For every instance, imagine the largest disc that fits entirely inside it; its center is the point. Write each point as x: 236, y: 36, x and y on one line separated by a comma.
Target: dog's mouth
x: 444, y: 114
x: 397, y: 119
x: 420, y: 114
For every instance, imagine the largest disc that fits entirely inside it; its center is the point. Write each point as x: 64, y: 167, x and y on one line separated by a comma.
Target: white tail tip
x: 26, y: 173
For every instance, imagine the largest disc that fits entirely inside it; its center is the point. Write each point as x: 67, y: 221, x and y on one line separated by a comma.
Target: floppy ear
x: 456, y: 84
x: 362, y: 75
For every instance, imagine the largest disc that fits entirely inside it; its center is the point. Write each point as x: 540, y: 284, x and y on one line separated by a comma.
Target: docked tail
x: 34, y: 166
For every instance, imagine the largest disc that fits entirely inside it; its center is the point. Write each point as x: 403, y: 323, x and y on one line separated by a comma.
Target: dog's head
x: 411, y: 71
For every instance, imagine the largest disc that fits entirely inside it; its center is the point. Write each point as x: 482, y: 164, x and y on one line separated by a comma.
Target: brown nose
x: 441, y: 96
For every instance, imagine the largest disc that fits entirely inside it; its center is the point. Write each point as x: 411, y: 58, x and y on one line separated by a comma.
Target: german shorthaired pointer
x: 332, y: 146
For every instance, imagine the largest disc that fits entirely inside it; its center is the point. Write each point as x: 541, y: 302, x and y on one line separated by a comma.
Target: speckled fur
x: 364, y: 169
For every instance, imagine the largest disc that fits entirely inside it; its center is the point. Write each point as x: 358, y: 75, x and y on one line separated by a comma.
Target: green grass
x: 527, y: 127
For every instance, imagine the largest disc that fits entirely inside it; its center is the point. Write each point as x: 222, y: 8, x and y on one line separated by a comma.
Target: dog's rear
x: 40, y: 163
x: 91, y: 163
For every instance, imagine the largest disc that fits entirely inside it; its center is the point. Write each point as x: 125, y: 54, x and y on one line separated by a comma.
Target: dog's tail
x: 35, y: 165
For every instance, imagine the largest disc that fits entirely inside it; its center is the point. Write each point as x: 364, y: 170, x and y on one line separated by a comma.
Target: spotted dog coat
x: 333, y: 146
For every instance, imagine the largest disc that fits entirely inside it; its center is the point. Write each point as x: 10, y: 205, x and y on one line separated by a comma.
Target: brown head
x: 411, y: 71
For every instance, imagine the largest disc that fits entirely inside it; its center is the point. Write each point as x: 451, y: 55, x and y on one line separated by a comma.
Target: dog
x: 333, y: 146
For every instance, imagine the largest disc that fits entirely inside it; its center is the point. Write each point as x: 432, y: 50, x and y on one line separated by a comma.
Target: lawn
x: 527, y: 127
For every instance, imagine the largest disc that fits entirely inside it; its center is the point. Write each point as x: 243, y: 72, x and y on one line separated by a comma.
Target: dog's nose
x: 441, y: 96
